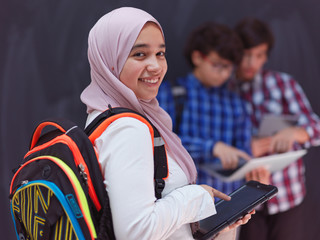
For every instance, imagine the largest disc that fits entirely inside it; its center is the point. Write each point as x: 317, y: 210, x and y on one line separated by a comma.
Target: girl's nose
x: 154, y: 65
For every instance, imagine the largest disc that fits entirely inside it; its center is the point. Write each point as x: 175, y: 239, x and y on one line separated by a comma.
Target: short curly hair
x: 254, y: 32
x: 216, y: 37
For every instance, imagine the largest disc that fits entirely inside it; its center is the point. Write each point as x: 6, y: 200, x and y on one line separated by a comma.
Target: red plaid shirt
x: 278, y: 93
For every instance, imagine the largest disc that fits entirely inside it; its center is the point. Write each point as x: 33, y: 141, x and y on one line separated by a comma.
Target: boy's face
x: 211, y: 69
x: 252, y: 62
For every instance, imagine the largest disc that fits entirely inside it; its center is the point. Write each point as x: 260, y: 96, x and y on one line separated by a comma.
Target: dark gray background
x: 44, y: 67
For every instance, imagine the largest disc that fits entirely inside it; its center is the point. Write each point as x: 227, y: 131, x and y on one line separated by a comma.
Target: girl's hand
x: 240, y: 222
x: 215, y: 193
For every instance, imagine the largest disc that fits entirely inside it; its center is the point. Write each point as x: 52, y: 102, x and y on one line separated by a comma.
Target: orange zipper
x: 78, y: 160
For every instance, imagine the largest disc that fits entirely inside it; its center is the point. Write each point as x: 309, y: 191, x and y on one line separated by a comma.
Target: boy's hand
x: 228, y: 155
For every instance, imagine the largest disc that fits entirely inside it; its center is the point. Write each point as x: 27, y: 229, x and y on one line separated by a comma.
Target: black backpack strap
x: 160, y: 163
x: 160, y: 156
x: 179, y: 94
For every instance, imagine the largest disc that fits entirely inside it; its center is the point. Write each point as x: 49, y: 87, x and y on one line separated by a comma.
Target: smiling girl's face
x: 146, y: 65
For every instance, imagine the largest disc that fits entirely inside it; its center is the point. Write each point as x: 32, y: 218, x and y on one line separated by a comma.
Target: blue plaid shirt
x: 211, y: 115
x: 166, y: 99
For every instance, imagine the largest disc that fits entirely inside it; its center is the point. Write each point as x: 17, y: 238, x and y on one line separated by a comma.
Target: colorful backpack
x: 58, y: 191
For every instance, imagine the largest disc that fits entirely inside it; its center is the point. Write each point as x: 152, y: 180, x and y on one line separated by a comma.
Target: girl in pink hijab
x: 127, y: 59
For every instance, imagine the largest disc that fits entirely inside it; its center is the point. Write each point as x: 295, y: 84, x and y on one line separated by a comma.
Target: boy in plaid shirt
x: 271, y: 92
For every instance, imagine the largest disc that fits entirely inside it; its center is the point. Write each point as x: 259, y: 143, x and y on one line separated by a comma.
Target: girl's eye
x: 162, y: 53
x: 138, y: 54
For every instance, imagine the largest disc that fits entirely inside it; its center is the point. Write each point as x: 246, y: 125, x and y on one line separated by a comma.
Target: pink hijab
x: 110, y: 42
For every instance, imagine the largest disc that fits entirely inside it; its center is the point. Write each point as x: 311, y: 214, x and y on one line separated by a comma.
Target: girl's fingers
x: 220, y: 195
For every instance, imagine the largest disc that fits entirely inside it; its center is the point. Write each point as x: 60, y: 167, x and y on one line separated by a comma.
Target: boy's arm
x: 307, y: 131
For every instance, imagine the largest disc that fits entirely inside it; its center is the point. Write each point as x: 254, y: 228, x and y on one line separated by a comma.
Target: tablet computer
x: 271, y: 124
x: 273, y: 163
x: 243, y: 200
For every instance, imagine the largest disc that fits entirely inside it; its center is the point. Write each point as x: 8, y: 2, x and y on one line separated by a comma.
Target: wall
x: 44, y: 68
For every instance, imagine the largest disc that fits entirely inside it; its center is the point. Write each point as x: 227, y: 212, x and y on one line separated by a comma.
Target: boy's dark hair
x: 214, y: 37
x: 254, y: 32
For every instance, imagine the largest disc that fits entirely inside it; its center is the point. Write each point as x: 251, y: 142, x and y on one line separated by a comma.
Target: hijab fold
x: 110, y: 42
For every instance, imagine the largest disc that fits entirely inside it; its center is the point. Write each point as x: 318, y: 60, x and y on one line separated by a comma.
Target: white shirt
x: 126, y: 157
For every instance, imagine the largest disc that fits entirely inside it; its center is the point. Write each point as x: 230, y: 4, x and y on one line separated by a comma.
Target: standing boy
x: 271, y: 92
x: 214, y: 126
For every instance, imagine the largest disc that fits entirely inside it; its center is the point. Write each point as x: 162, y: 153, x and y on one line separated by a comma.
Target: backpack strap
x: 63, y: 125
x: 179, y: 94
x: 100, y: 123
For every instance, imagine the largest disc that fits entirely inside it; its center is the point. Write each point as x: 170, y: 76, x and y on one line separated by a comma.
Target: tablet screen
x: 243, y: 200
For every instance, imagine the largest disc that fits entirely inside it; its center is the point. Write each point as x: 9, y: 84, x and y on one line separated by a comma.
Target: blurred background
x: 44, y: 67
